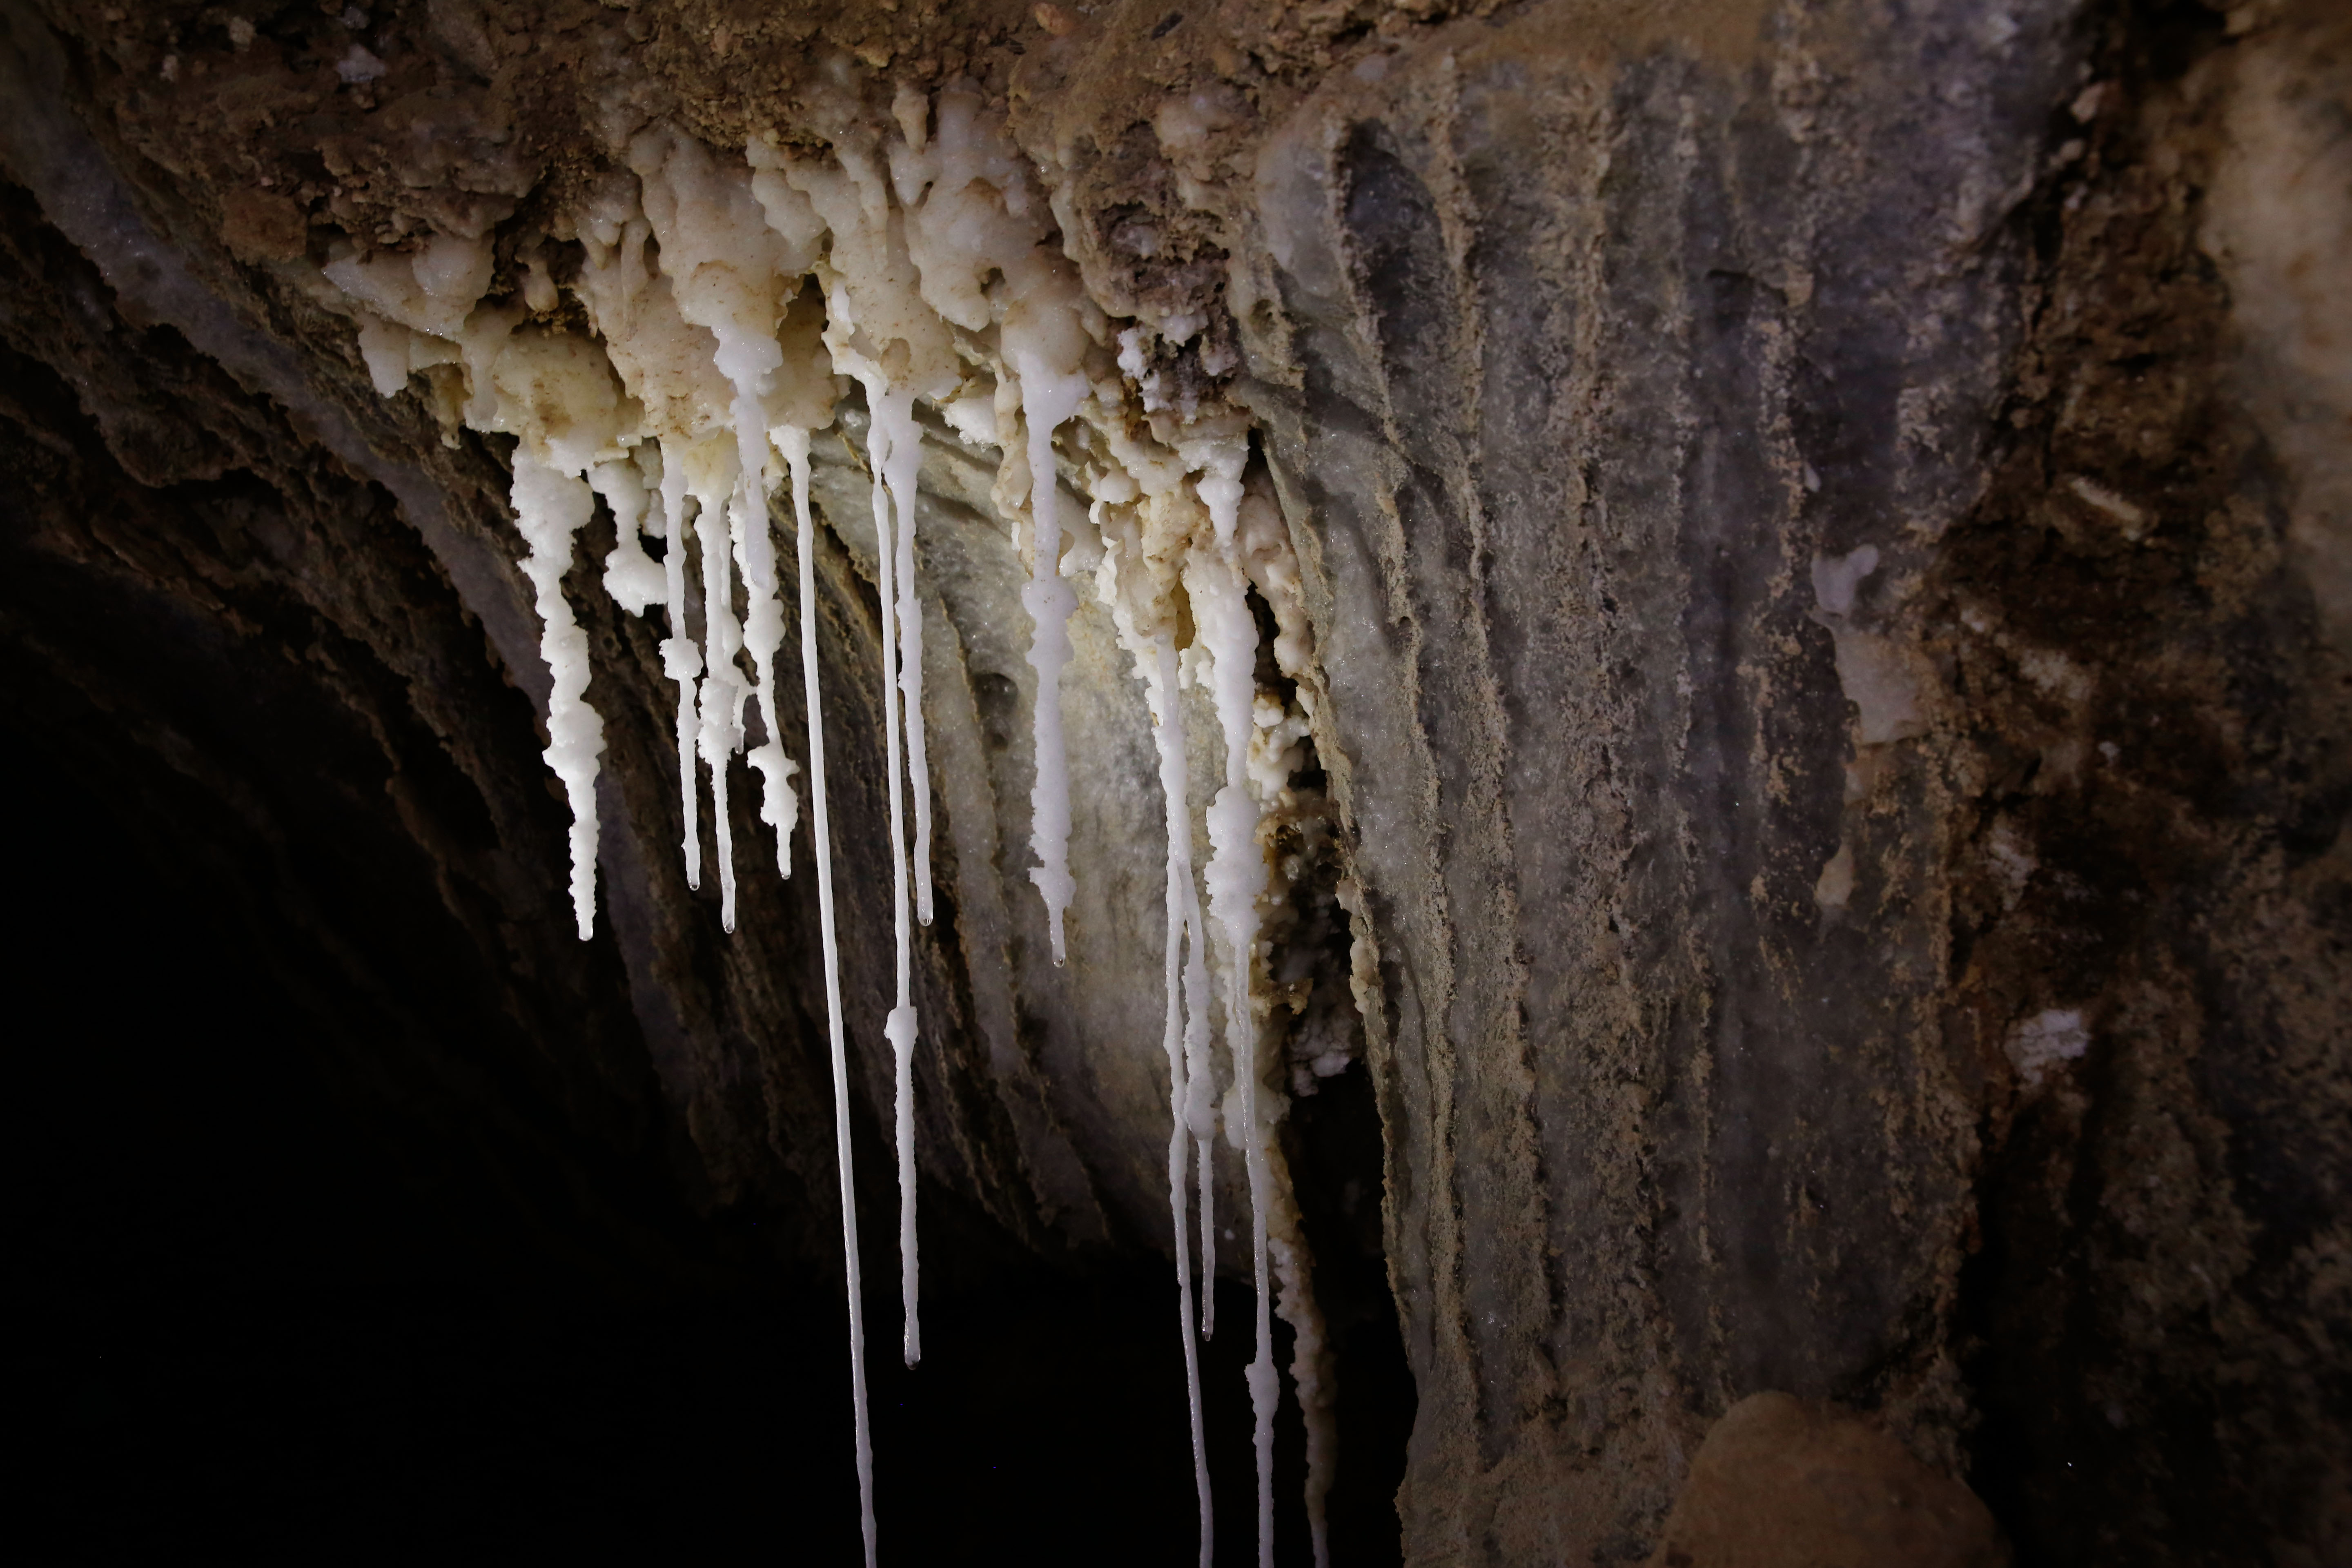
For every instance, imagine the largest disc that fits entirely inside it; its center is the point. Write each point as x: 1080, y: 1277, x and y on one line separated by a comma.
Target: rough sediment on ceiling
x: 1827, y: 535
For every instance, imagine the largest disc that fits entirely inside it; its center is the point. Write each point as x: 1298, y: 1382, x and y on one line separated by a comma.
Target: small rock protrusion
x: 1781, y: 1482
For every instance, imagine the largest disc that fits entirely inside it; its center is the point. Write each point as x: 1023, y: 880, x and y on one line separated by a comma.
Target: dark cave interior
x: 270, y: 1303
x: 349, y: 1220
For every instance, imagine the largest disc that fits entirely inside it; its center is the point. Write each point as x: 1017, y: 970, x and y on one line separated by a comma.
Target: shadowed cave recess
x: 1343, y: 782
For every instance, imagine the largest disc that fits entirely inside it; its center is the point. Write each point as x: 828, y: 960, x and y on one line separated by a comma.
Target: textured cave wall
x: 1827, y: 528
x: 1730, y: 884
x: 341, y: 768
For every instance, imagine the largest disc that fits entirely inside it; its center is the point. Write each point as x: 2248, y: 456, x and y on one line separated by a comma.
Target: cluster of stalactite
x: 729, y: 302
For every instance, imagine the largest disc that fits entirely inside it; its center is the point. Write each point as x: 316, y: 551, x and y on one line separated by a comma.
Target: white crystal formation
x: 914, y: 255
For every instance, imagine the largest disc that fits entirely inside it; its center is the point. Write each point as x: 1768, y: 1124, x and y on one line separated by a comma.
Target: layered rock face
x: 1813, y: 583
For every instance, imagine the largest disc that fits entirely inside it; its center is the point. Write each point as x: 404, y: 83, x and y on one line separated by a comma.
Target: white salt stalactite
x: 872, y: 307
x: 899, y: 440
x: 721, y: 732
x: 749, y: 357
x: 764, y: 637
x: 1200, y: 1082
x: 901, y: 1027
x: 1157, y: 538
x: 1049, y: 398
x: 1260, y: 548
x: 664, y: 363
x: 795, y: 445
x: 890, y: 426
x: 1236, y: 878
x: 731, y: 274
x: 550, y: 507
x: 681, y: 660
x: 636, y: 580
x: 938, y: 258
x: 1199, y: 1069
x: 969, y: 235
x: 900, y: 1030
x: 932, y: 234
x: 1136, y: 574
x: 1168, y: 715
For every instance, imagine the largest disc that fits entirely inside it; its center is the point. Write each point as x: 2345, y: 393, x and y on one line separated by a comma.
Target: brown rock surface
x: 1781, y: 1483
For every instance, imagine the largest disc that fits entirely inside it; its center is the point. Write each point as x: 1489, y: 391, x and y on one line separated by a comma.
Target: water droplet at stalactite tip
x: 900, y: 268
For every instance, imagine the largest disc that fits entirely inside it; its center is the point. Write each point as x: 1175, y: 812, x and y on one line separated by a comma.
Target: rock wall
x: 1768, y: 507
x: 1826, y: 530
